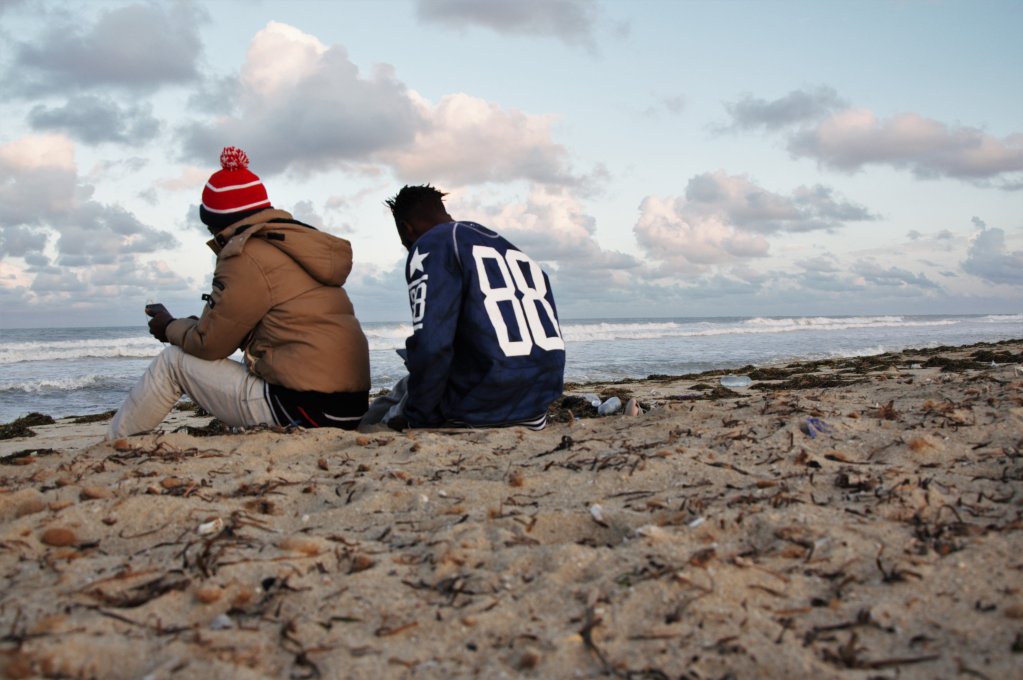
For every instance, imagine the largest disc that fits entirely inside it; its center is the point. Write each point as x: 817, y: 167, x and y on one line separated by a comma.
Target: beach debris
x: 610, y: 407
x: 208, y: 594
x: 95, y: 492
x: 21, y: 426
x: 813, y: 425
x: 221, y: 622
x: 58, y: 537
x: 632, y: 408
x: 211, y: 528
x: 597, y: 513
x: 734, y: 382
x: 593, y: 399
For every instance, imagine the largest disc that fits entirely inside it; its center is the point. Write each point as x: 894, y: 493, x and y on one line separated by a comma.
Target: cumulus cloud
x: 798, y: 106
x: 854, y: 138
x: 335, y: 118
x: 723, y: 218
x: 467, y: 140
x: 819, y: 125
x: 571, y: 21
x: 291, y: 81
x: 139, y: 47
x: 41, y: 194
x: 987, y: 258
x: 93, y: 119
x: 685, y: 241
x: 37, y: 179
x: 550, y: 225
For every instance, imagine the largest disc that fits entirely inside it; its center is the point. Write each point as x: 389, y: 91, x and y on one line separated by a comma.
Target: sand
x: 718, y: 534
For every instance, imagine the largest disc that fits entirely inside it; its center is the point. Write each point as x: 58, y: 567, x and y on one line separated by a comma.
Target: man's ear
x: 405, y: 230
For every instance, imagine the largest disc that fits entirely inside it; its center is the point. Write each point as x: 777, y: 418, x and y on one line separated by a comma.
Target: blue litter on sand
x: 814, y: 425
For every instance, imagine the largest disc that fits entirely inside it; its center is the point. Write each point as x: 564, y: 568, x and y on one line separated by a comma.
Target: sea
x: 81, y: 371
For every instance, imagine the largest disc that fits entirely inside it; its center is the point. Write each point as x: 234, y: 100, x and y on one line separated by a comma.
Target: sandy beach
x: 854, y: 518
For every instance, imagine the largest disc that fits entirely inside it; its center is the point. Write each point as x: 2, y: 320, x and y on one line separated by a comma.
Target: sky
x: 659, y: 158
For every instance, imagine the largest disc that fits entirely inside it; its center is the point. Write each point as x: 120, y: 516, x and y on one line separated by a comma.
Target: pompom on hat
x: 234, y: 188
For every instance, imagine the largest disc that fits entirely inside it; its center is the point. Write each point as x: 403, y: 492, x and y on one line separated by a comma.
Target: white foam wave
x: 643, y: 330
x: 1002, y: 318
x: 53, y: 384
x: 387, y: 336
x: 131, y: 348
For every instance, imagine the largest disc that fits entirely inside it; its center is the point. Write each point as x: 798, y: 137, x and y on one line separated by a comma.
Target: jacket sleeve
x: 238, y: 302
x: 435, y: 295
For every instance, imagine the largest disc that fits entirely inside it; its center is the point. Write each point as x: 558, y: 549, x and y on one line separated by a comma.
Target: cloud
x: 798, y: 106
x: 138, y: 47
x: 571, y: 21
x: 738, y: 201
x: 19, y: 241
x: 37, y: 179
x: 292, y: 82
x: 467, y: 140
x: 41, y: 194
x: 191, y: 178
x: 723, y: 218
x: 819, y: 125
x: 684, y: 241
x: 673, y: 106
x: 871, y: 272
x: 550, y: 225
x: 988, y: 260
x: 336, y: 118
x: 854, y: 138
x: 93, y: 120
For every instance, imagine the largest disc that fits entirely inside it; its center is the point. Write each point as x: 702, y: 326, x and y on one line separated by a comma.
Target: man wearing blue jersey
x: 486, y: 348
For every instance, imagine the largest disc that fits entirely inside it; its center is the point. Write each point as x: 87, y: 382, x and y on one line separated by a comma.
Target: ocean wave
x: 1002, y: 318
x: 54, y: 384
x: 142, y: 347
x: 652, y: 330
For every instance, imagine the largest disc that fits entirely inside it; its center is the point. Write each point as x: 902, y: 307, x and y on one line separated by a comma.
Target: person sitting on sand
x: 486, y: 348
x: 277, y: 296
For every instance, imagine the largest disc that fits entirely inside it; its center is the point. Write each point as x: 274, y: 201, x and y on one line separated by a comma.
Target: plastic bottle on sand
x: 612, y: 405
x: 735, y: 381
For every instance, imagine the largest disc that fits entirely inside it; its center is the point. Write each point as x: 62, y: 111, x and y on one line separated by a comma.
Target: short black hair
x: 410, y: 201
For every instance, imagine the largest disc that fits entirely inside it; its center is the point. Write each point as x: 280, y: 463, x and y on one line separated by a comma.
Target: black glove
x: 158, y: 324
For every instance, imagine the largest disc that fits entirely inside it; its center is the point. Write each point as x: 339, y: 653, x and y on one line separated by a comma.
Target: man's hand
x: 159, y: 321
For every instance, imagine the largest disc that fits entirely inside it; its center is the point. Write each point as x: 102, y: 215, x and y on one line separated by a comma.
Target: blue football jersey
x: 486, y: 347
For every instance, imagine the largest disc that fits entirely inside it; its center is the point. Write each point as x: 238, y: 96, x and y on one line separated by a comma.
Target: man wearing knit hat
x: 277, y: 296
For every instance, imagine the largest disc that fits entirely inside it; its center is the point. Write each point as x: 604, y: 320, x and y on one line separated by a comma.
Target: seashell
x: 211, y: 528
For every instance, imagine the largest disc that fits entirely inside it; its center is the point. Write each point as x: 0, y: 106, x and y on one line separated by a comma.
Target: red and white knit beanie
x: 234, y: 188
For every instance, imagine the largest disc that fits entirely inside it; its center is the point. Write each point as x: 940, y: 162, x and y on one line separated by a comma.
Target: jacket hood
x: 326, y: 258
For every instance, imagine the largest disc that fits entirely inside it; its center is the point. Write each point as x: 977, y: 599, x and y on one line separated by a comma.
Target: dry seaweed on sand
x: 707, y: 538
x: 21, y: 427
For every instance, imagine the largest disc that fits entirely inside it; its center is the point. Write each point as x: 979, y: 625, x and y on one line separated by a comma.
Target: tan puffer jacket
x: 277, y: 296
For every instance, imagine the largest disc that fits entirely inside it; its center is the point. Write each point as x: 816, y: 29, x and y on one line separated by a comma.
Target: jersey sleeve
x: 435, y: 296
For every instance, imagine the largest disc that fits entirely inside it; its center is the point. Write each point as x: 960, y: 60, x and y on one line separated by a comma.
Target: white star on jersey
x: 415, y: 263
